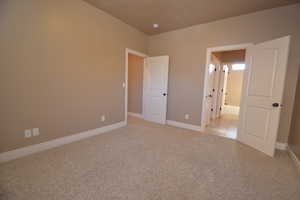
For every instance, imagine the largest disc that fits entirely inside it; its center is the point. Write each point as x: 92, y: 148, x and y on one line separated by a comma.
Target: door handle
x: 275, y: 105
x: 164, y: 94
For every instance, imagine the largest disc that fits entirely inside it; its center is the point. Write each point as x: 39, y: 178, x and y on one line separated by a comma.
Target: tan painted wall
x: 232, y: 56
x: 62, y: 67
x: 234, y: 88
x: 294, y: 139
x: 187, y: 51
x: 135, y: 83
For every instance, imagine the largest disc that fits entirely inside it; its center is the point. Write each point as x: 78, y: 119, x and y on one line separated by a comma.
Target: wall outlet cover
x: 35, y: 131
x: 103, y: 118
x: 27, y: 133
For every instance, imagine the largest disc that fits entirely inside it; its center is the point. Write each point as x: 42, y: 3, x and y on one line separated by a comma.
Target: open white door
x: 156, y: 89
x: 221, y: 90
x: 215, y: 90
x: 210, y: 94
x: 263, y: 87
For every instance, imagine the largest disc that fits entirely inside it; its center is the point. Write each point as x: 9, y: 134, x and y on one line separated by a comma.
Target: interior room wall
x: 62, y: 67
x: 234, y: 88
x: 236, y: 56
x: 187, y: 51
x: 294, y: 139
x: 135, y: 83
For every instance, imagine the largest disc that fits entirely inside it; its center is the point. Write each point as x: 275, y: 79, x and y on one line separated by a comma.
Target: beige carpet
x: 149, y: 161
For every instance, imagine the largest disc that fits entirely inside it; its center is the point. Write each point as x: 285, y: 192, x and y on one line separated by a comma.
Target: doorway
x: 146, y: 86
x: 135, y: 85
x: 225, y: 80
x: 261, y: 94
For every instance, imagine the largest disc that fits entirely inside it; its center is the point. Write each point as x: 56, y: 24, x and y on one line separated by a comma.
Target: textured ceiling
x: 175, y: 14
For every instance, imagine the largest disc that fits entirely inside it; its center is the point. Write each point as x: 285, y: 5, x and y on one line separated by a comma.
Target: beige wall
x: 187, y: 51
x: 135, y: 83
x: 234, y: 88
x: 62, y: 67
x: 294, y: 139
x: 236, y: 56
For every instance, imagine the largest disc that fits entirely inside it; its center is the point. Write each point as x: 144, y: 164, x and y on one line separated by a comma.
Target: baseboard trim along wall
x: 18, y: 153
x: 138, y: 115
x: 294, y: 157
x: 184, y: 125
x: 231, y: 110
x: 281, y: 146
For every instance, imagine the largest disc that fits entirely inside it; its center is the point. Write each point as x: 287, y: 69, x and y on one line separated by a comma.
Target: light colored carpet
x: 150, y: 161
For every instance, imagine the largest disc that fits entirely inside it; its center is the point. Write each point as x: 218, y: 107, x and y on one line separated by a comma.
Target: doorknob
x: 165, y: 94
x: 275, y: 105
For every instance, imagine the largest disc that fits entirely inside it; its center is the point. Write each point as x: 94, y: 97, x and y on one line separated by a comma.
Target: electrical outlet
x: 186, y: 116
x: 27, y: 133
x: 35, y: 131
x: 102, y: 118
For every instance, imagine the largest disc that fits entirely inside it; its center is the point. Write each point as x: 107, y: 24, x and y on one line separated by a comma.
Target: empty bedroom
x: 149, y: 99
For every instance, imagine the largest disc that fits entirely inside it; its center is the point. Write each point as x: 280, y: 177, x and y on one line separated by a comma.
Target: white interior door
x: 155, y: 89
x: 215, y: 92
x: 263, y: 87
x: 220, y: 91
x: 209, y: 92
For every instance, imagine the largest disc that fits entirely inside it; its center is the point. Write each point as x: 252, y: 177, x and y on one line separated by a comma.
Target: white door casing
x: 209, y: 52
x: 263, y: 86
x: 155, y: 89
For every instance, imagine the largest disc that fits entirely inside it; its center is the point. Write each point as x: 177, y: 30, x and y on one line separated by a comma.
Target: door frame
x: 125, y: 84
x: 209, y: 52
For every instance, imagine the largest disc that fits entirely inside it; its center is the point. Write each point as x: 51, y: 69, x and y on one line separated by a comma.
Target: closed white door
x: 155, y: 89
x: 263, y: 87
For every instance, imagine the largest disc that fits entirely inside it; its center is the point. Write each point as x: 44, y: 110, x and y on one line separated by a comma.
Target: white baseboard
x: 294, y: 157
x: 281, y: 146
x: 231, y: 110
x: 184, y: 125
x: 138, y: 115
x: 18, y: 153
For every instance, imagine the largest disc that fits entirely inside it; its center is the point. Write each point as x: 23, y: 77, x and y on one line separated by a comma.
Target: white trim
x: 281, y: 146
x: 21, y: 152
x: 138, y: 115
x: 231, y: 110
x: 208, y: 58
x: 127, y: 51
x: 294, y: 157
x: 184, y: 125
x: 136, y: 53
